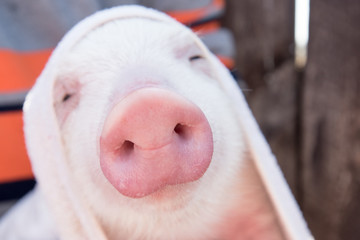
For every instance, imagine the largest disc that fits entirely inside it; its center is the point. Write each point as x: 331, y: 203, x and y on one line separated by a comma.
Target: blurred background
x: 310, y: 115
x: 304, y: 94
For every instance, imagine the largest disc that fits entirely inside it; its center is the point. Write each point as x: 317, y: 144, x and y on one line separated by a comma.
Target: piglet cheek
x: 153, y: 138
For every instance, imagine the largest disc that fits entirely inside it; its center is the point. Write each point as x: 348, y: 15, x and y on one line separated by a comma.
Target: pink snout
x: 153, y: 138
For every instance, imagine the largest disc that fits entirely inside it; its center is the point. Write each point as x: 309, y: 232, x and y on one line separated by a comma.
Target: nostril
x: 178, y: 128
x: 127, y: 147
x: 181, y: 130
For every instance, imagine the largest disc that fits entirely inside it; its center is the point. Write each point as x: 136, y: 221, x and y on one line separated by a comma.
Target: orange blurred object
x: 193, y: 15
x: 18, y: 71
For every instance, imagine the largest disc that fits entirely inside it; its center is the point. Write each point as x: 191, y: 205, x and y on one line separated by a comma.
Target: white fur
x: 108, y: 54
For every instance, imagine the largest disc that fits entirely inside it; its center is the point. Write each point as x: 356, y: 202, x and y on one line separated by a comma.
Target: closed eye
x: 195, y: 57
x: 66, y: 97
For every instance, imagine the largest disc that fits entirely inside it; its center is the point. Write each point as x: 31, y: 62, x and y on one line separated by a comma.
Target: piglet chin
x: 154, y: 138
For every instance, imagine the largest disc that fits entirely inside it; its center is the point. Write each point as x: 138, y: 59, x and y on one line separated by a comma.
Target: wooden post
x: 311, y: 119
x: 331, y: 121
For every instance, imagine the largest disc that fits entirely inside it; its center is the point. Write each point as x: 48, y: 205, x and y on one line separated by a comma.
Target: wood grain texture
x: 331, y: 120
x: 311, y: 120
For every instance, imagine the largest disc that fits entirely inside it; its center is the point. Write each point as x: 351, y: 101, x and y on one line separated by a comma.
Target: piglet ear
x: 287, y: 211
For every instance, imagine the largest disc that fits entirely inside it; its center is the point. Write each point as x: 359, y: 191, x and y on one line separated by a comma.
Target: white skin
x: 227, y: 202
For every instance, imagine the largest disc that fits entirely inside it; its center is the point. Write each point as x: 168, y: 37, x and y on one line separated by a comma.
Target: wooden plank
x: 331, y: 121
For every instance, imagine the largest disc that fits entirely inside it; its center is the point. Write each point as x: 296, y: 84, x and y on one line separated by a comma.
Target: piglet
x: 136, y: 131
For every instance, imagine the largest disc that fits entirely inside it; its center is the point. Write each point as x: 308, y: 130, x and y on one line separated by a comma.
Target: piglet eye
x: 66, y: 97
x: 195, y: 57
